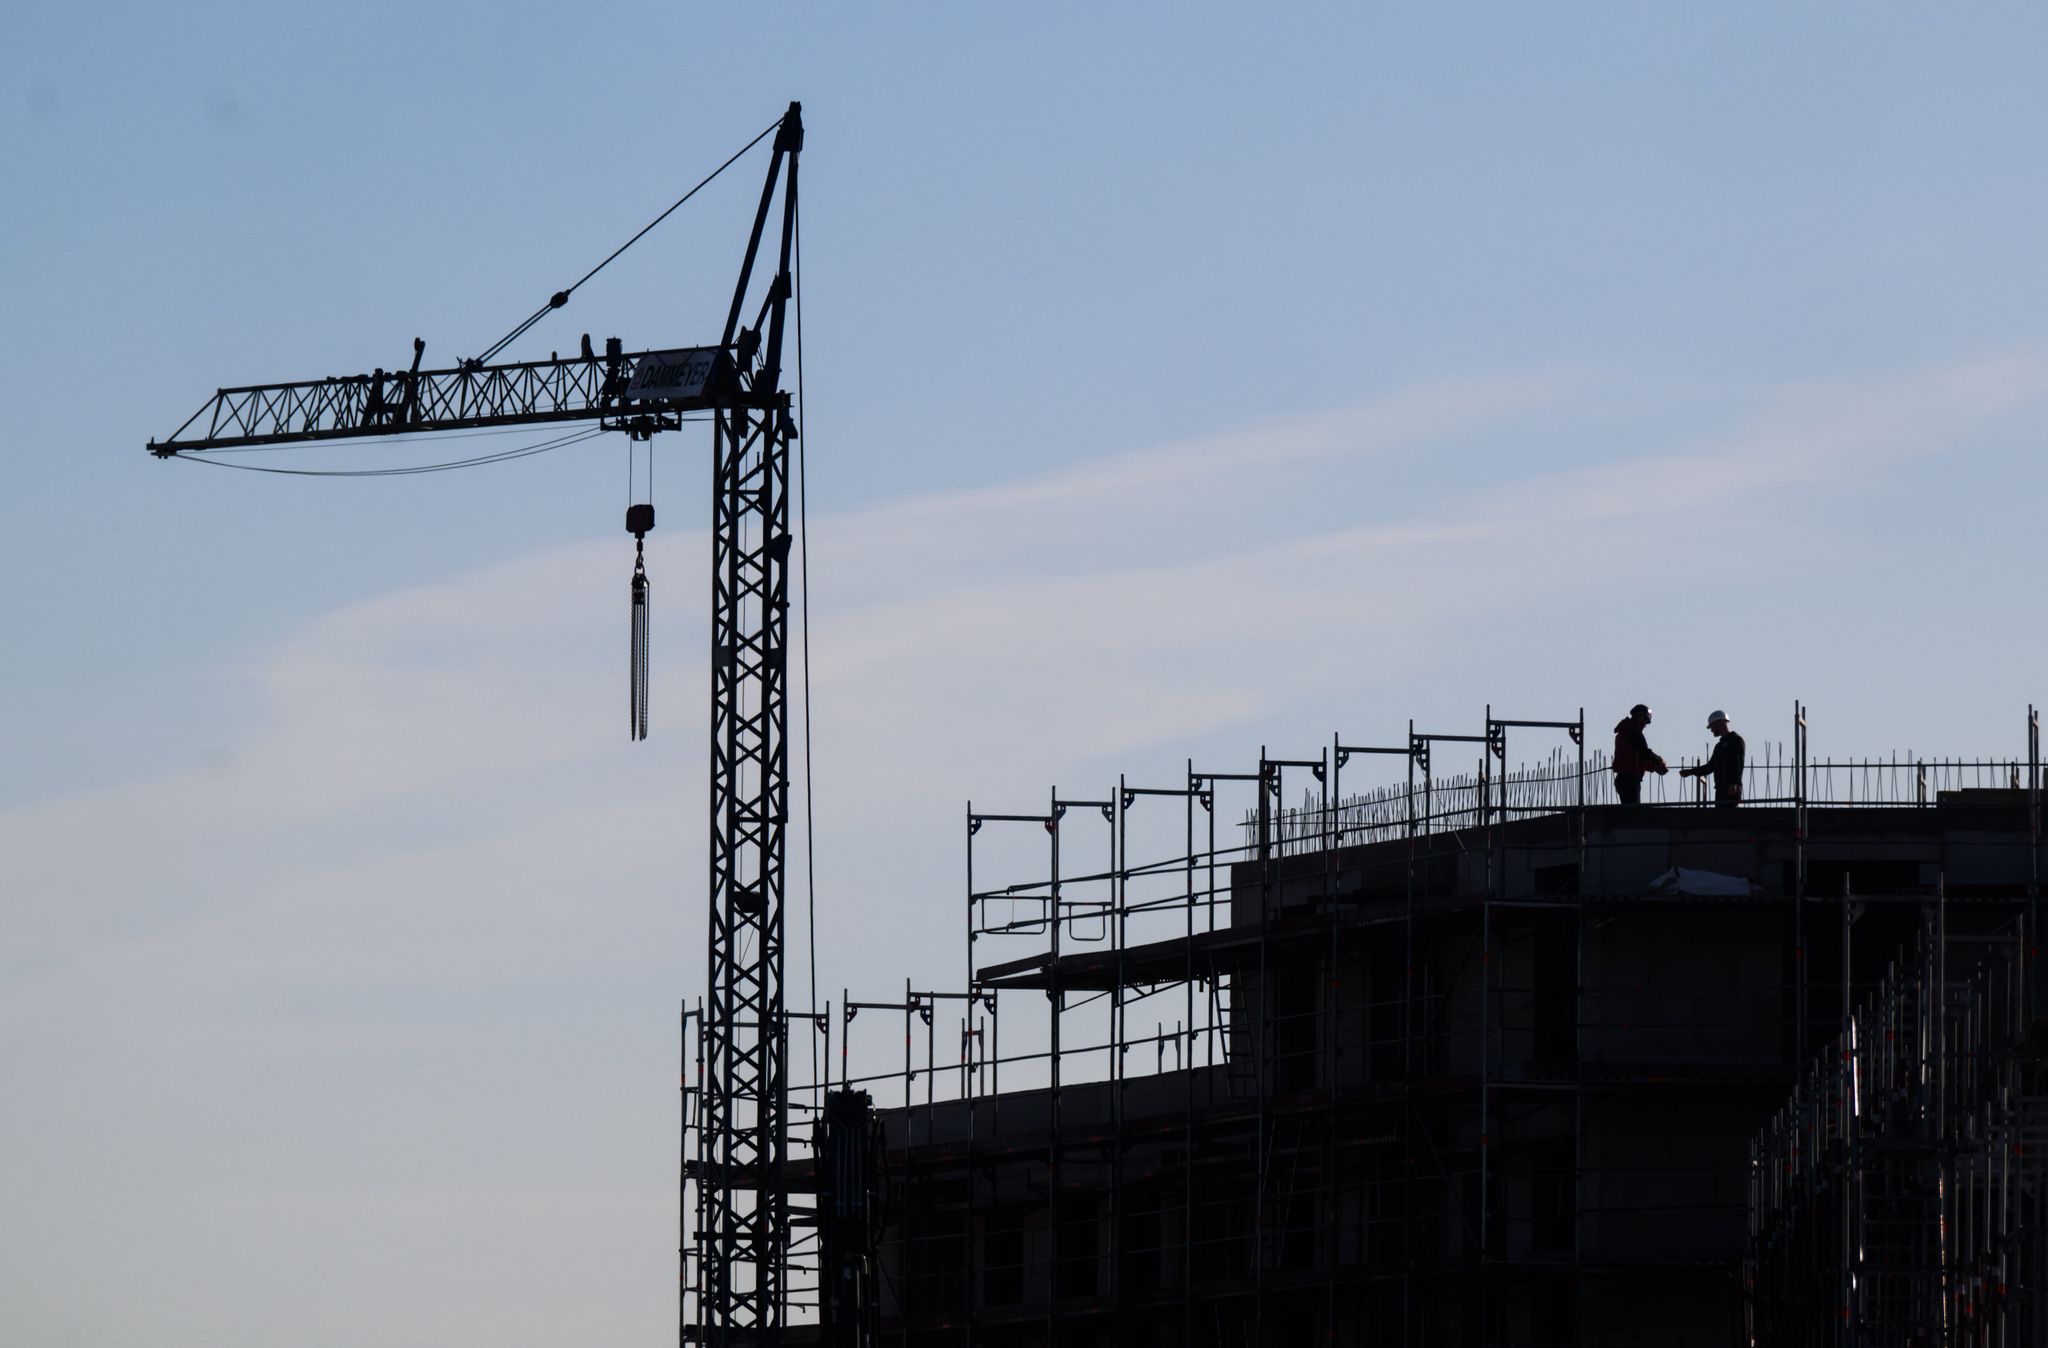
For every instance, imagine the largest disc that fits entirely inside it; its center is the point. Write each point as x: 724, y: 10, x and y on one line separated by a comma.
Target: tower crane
x: 743, y: 1233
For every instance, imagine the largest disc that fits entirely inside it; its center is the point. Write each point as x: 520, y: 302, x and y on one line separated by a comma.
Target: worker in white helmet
x: 1725, y: 766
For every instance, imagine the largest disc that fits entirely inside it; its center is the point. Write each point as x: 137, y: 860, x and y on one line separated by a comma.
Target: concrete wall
x: 1637, y: 1043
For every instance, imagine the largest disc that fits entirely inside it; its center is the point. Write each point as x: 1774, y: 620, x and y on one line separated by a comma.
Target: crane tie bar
x: 561, y: 297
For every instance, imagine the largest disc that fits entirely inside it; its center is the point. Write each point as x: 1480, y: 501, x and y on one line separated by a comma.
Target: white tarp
x: 1701, y: 884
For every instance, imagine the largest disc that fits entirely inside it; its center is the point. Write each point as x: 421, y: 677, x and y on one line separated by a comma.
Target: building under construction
x: 1471, y: 1057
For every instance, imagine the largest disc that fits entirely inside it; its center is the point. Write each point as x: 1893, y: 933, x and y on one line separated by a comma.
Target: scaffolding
x: 1898, y: 1196
x: 1369, y: 1068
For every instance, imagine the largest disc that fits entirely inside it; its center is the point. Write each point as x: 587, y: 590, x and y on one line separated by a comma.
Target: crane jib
x: 524, y: 393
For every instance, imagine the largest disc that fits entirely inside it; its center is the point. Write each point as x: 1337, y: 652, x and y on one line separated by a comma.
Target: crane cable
x: 555, y: 301
x: 803, y: 601
x: 401, y: 438
x: 561, y: 297
x: 502, y: 456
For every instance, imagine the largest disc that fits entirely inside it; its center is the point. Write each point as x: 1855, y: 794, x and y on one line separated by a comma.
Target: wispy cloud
x: 363, y: 723
x: 429, y: 868
x: 1406, y: 419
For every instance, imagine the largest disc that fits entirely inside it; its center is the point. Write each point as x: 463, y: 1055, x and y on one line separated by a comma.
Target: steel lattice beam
x: 744, y: 1238
x: 528, y: 393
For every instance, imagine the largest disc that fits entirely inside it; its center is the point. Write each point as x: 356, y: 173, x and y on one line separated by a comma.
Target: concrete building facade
x: 1492, y: 1085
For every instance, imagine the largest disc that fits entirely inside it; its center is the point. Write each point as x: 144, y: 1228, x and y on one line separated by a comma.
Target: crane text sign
x: 662, y: 375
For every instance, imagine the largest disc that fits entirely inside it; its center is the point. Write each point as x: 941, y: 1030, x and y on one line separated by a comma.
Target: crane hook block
x: 643, y: 594
x: 640, y: 519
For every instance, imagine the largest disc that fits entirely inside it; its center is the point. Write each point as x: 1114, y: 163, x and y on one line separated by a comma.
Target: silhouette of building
x: 1474, y: 1060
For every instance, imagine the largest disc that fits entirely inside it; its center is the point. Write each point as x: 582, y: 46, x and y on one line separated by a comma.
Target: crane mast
x: 742, y: 1238
x: 744, y: 1233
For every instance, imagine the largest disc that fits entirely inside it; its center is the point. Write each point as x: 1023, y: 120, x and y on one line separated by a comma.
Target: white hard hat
x: 1717, y: 716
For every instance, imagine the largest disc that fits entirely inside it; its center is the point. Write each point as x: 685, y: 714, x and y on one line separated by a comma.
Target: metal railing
x: 1771, y: 776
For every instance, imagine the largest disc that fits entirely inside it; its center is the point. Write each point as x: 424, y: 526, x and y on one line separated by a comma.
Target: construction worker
x: 1725, y: 763
x: 1633, y: 756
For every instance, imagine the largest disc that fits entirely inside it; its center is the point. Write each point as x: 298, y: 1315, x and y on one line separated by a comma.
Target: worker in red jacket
x: 1633, y: 756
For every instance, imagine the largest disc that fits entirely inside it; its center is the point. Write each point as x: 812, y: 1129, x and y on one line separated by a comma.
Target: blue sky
x: 1178, y: 382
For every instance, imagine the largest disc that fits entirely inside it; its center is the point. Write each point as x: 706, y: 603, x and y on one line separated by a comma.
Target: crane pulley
x: 742, y: 1232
